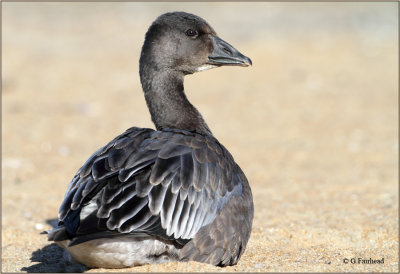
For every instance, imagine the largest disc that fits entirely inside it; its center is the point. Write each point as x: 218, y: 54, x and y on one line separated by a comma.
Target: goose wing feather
x: 170, y: 183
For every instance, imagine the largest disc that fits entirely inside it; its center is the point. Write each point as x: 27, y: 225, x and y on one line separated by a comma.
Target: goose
x: 170, y: 194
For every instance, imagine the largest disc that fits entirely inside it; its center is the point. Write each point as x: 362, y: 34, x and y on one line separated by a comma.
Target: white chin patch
x: 205, y: 67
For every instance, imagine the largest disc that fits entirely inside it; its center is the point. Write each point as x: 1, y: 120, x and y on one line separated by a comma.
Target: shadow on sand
x: 51, y: 259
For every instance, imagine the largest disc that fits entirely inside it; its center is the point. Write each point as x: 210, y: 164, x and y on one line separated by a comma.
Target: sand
x: 313, y: 124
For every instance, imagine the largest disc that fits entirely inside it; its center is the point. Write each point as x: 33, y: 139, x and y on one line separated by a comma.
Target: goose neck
x: 167, y: 102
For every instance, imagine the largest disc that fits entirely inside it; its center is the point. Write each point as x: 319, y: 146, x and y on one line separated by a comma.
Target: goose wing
x: 168, y: 183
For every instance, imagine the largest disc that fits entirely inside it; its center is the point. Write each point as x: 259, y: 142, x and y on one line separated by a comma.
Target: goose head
x: 186, y: 43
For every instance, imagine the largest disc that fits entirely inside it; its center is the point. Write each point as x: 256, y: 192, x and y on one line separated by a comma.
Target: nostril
x: 226, y: 50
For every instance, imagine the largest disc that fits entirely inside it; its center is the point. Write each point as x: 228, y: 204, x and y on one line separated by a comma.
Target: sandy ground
x: 313, y: 123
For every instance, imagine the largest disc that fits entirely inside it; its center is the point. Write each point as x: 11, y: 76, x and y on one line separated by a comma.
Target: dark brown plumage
x: 176, y: 187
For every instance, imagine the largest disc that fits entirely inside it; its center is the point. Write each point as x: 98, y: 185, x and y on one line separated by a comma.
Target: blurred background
x: 313, y: 123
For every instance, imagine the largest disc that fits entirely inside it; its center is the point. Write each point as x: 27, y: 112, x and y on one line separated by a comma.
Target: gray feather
x: 186, y: 170
x: 162, y: 168
x: 173, y: 228
x: 156, y: 199
x: 168, y: 209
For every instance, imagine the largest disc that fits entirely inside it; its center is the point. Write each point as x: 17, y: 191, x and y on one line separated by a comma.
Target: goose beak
x: 224, y: 54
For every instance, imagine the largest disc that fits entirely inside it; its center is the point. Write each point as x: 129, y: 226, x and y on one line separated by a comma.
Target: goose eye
x: 191, y: 33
